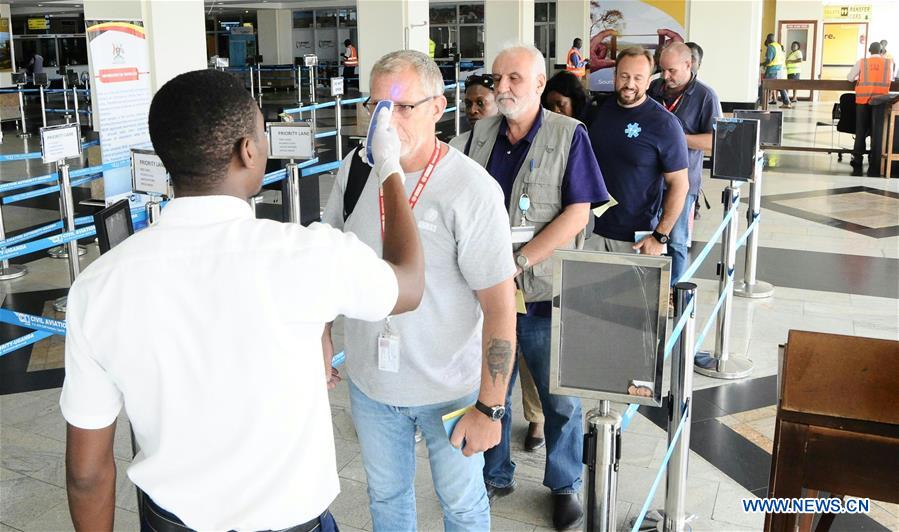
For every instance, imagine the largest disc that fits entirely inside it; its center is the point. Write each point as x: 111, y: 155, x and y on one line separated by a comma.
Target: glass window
x: 445, y: 39
x: 224, y: 50
x: 326, y: 18
x: 302, y: 19
x: 210, y: 23
x: 73, y: 51
x: 443, y: 15
x: 471, y: 14
x: 471, y: 39
x: 66, y: 25
x: 552, y: 12
x: 541, y: 12
x: 347, y: 18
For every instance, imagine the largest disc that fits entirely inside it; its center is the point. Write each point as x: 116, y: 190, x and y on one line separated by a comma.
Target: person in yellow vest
x: 872, y: 76
x: 794, y: 62
x: 432, y: 48
x: 774, y: 63
x: 575, y: 62
x: 350, y: 61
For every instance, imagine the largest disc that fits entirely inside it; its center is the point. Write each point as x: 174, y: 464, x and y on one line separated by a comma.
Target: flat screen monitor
x: 19, y: 78
x: 735, y: 145
x: 40, y: 78
x: 770, y: 122
x: 609, y: 325
x: 113, y: 225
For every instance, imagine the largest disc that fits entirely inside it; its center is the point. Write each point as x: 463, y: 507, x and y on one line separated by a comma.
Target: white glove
x: 385, y: 148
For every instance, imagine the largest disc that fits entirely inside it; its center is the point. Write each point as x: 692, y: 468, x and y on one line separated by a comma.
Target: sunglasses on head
x: 484, y: 80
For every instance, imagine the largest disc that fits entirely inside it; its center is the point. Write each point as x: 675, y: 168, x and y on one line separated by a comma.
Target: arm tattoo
x: 499, y: 358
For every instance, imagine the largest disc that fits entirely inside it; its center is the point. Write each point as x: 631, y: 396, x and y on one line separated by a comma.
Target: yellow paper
x: 519, y: 302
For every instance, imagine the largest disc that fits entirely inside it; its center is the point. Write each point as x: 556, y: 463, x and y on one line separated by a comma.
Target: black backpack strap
x: 356, y: 178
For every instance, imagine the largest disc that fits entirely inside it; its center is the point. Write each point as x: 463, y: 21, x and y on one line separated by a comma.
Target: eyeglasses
x: 402, y: 109
x: 484, y: 80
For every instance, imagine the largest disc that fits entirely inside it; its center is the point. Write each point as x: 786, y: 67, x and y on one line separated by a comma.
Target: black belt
x: 158, y: 522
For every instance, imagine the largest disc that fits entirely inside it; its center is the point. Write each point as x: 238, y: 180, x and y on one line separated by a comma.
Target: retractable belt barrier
x: 91, y: 173
x: 37, y: 154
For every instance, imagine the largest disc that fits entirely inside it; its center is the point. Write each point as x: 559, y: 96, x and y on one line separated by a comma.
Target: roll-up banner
x: 120, y: 69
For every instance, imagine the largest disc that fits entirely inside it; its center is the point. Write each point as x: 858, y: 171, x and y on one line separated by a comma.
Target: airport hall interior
x: 599, y: 265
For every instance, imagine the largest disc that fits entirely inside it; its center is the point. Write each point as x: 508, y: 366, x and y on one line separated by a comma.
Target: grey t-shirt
x: 464, y: 230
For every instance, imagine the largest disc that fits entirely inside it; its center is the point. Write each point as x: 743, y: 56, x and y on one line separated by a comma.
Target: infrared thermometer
x: 375, y: 116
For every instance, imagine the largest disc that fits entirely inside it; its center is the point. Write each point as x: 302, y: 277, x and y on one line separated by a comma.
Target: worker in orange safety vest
x: 575, y: 62
x: 872, y: 76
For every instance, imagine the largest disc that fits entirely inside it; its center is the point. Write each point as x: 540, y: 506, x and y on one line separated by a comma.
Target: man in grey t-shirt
x: 456, y: 350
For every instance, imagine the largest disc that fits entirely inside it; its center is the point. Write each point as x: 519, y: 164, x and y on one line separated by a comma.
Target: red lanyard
x: 674, y: 104
x: 419, y: 187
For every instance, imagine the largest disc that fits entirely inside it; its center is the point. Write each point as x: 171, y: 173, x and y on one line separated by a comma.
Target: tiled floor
x: 828, y: 278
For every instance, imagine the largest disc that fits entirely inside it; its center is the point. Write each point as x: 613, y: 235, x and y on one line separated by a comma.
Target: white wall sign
x: 290, y: 140
x: 336, y: 86
x: 148, y: 175
x: 60, y: 142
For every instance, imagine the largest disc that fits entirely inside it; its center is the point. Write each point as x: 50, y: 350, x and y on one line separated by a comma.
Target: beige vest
x: 549, y: 151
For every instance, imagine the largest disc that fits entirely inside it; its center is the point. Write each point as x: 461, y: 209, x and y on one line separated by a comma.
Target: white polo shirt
x: 207, y: 327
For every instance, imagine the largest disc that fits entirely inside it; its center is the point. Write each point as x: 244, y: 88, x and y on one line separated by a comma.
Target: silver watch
x: 521, y: 260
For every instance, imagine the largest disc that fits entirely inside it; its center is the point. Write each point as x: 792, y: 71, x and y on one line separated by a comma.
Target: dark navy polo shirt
x: 582, y: 181
x: 696, y: 111
x: 634, y: 146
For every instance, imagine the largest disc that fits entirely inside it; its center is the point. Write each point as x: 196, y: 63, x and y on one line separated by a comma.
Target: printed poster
x: 617, y: 24
x: 121, y: 80
x: 5, y: 46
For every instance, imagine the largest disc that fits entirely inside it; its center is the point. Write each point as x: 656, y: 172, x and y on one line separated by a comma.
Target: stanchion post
x: 154, y: 209
x: 67, y: 207
x: 673, y: 518
x: 721, y: 365
x: 458, y: 94
x: 338, y: 123
x: 751, y: 287
x: 75, y: 103
x: 602, y: 452
x: 680, y: 402
x: 9, y: 271
x: 24, y: 133
x: 43, y: 107
x: 252, y: 83
x: 312, y: 75
x: 65, y: 92
x: 259, y: 82
x: 293, y: 193
x: 299, y: 85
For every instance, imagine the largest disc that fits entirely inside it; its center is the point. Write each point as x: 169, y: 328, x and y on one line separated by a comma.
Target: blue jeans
x: 387, y: 437
x: 680, y: 239
x: 564, y: 419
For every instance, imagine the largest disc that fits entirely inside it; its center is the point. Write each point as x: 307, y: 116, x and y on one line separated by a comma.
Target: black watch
x: 661, y: 237
x: 495, y: 413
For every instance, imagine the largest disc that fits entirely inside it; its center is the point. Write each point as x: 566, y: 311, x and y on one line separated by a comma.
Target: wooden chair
x: 837, y: 426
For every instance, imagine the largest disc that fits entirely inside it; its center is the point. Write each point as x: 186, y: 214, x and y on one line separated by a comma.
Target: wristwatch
x: 495, y: 413
x: 521, y: 260
x: 661, y: 237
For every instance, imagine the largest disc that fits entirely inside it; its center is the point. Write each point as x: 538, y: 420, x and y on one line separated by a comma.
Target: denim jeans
x: 387, y: 437
x: 680, y: 240
x: 564, y: 425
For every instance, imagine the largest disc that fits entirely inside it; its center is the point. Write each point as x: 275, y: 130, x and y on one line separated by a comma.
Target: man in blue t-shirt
x: 642, y: 152
x: 696, y: 107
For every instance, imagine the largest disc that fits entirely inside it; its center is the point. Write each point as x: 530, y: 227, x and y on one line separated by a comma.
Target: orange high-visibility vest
x: 873, y: 78
x: 572, y: 66
x: 352, y: 59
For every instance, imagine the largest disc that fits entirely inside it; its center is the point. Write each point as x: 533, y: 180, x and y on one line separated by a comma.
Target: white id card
x: 522, y: 234
x: 389, y: 352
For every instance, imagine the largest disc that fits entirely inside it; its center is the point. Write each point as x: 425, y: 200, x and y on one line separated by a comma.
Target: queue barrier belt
x: 92, y: 173
x: 37, y: 154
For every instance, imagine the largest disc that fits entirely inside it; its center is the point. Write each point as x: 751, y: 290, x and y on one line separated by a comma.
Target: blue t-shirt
x: 634, y: 146
x: 582, y: 181
x: 696, y: 110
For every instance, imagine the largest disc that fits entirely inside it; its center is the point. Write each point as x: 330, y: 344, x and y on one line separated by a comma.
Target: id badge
x: 522, y: 234
x: 389, y: 352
